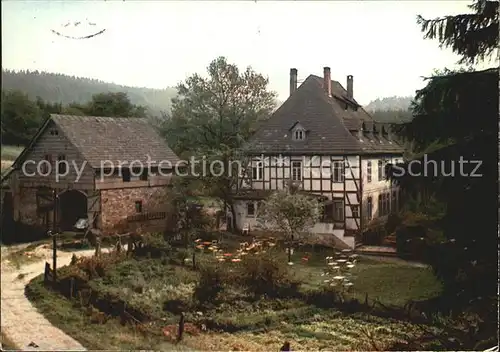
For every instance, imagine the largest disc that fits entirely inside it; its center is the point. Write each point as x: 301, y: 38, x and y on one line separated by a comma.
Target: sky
x: 157, y: 44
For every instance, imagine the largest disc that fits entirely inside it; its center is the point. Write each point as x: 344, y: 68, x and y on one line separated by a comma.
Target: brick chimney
x: 293, y: 80
x: 327, y: 81
x: 350, y: 82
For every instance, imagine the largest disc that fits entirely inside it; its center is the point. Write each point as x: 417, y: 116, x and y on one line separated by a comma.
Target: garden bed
x: 244, y: 314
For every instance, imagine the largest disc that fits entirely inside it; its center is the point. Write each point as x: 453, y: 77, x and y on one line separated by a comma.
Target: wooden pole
x: 54, y: 238
x: 181, y: 328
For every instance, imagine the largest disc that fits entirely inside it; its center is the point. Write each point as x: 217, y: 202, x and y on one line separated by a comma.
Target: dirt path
x: 20, y: 321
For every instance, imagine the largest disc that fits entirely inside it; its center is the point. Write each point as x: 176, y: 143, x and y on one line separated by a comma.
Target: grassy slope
x: 68, y: 317
x: 390, y: 283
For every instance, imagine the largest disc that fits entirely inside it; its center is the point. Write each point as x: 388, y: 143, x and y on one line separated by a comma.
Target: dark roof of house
x: 113, y: 138
x: 331, y: 129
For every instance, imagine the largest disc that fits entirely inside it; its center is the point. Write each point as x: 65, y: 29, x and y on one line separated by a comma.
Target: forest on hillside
x: 390, y: 103
x: 391, y: 109
x: 64, y: 89
x: 21, y: 116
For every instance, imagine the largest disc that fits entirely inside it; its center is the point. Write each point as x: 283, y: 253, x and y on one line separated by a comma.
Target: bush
x: 265, y: 274
x: 96, y: 267
x: 213, y: 278
x: 179, y: 256
x: 374, y: 237
x: 411, y: 242
x: 154, y: 246
x: 393, y: 222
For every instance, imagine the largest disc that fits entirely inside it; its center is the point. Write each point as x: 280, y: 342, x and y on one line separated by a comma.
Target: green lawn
x: 237, y: 320
x: 71, y: 318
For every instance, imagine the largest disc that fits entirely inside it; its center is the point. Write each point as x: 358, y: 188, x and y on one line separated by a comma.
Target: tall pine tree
x: 455, y: 123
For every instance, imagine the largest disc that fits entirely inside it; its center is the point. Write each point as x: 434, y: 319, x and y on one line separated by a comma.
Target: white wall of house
x: 339, y: 178
x: 377, y: 186
x: 243, y: 217
x: 315, y: 175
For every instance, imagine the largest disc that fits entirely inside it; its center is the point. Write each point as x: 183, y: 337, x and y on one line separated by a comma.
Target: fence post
x: 46, y: 273
x: 285, y: 347
x: 71, y: 287
x: 54, y: 257
x: 181, y: 327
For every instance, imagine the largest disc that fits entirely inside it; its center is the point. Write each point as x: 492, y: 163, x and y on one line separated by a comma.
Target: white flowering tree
x: 289, y: 212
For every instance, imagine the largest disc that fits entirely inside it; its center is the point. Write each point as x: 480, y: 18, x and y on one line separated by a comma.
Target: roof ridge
x: 134, y: 118
x: 329, y: 119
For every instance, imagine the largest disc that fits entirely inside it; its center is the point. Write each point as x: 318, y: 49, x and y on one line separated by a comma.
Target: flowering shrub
x: 289, y: 212
x: 253, y: 266
x: 264, y: 274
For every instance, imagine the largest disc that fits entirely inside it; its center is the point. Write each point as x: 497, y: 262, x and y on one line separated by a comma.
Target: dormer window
x: 299, y: 134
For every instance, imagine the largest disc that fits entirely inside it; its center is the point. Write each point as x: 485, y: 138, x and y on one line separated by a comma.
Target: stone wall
x: 118, y: 204
x: 26, y: 207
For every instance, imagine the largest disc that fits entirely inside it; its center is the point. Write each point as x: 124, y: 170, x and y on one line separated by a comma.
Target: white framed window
x: 369, y: 172
x: 369, y: 208
x: 381, y: 204
x: 299, y: 134
x: 355, y: 211
x: 251, y: 209
x: 381, y: 170
x: 327, y: 215
x: 338, y: 171
x: 296, y: 171
x: 338, y: 210
x: 258, y: 172
x: 384, y: 204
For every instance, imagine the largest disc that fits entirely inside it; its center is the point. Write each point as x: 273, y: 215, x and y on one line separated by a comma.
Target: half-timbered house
x: 323, y: 140
x: 116, y: 176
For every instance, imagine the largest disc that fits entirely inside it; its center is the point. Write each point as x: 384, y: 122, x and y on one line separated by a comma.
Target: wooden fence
x: 147, y: 216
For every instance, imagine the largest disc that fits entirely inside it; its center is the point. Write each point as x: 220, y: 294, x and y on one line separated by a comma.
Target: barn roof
x: 111, y: 138
x: 331, y: 128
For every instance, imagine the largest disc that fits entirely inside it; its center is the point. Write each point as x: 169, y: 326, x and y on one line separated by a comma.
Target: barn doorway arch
x: 72, y: 206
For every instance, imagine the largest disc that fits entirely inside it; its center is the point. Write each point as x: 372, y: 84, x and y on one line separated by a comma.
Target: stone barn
x: 114, y: 172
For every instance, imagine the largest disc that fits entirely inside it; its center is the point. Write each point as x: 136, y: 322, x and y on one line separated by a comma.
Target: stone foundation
x: 118, y: 204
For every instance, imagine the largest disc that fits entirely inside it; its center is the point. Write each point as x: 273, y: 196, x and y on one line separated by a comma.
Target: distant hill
x: 389, y: 104
x: 390, y: 109
x: 54, y: 87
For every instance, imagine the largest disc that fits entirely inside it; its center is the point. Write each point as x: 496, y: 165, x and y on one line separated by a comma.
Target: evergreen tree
x: 455, y: 118
x: 20, y: 118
